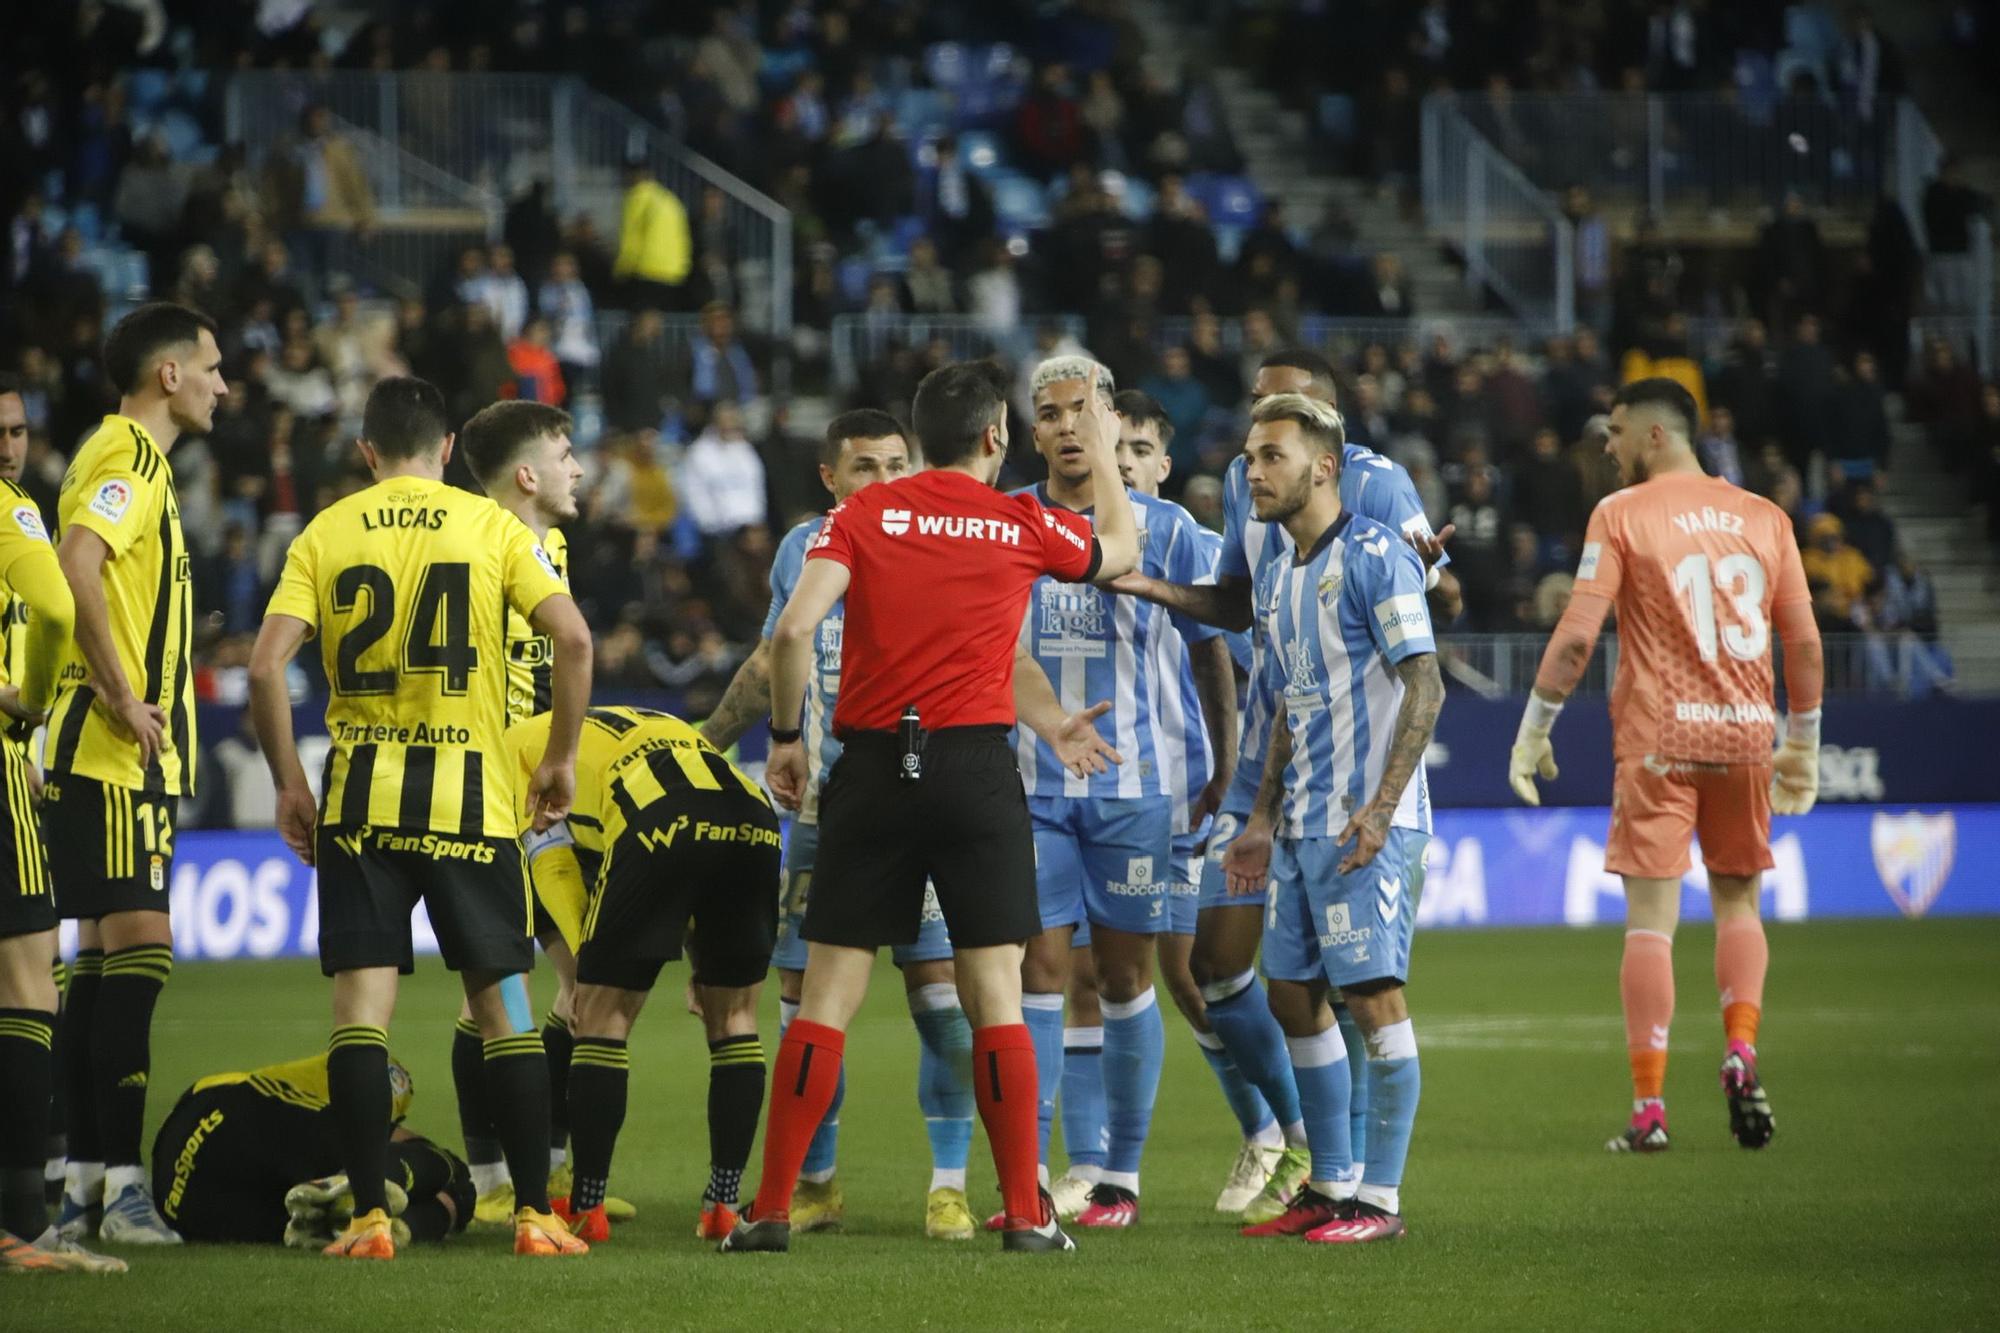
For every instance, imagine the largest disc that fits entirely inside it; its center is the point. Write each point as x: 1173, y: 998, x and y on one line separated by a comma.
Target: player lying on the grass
x: 863, y: 447
x: 1700, y: 573
x: 682, y: 834
x: 34, y: 596
x: 521, y: 456
x: 1143, y: 463
x: 1104, y: 844
x: 1231, y: 926
x: 407, y: 582
x: 254, y: 1159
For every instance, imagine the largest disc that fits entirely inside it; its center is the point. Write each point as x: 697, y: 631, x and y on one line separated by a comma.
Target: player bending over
x: 1700, y: 572
x: 679, y: 832
x: 407, y: 583
x: 254, y: 1159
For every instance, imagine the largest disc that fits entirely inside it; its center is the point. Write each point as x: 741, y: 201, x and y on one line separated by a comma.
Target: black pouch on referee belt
x: 910, y: 746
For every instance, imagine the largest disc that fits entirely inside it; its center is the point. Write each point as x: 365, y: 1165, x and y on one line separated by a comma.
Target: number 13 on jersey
x: 1741, y: 579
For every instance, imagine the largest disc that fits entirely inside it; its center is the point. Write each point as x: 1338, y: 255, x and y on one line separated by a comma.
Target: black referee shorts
x: 964, y: 826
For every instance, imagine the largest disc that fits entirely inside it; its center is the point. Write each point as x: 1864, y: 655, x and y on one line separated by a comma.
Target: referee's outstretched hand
x: 1081, y: 748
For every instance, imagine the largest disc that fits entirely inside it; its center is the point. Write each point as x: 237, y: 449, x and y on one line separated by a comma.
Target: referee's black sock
x: 517, y: 1088
x: 357, y: 1082
x: 79, y: 1015
x: 599, y: 1077
x: 735, y: 1094
x: 560, y: 1045
x: 121, y: 1049
x: 468, y: 1078
x: 26, y: 1075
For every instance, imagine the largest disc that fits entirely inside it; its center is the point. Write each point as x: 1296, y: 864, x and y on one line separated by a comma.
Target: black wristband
x: 779, y: 736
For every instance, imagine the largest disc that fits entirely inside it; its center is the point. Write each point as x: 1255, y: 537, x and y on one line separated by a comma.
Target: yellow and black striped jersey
x: 530, y: 659
x: 120, y: 487
x: 300, y: 1083
x: 616, y: 772
x: 21, y: 527
x: 408, y: 584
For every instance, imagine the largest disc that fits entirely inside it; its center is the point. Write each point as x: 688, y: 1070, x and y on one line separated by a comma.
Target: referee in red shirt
x: 935, y: 569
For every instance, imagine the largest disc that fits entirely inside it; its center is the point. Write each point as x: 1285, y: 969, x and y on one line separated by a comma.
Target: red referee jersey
x: 941, y: 566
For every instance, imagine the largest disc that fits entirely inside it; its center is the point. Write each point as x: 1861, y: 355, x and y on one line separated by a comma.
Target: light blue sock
x: 1252, y: 1112
x: 1319, y: 1063
x: 1043, y: 1012
x: 1135, y: 1050
x: 1395, y: 1083
x: 944, y: 1075
x: 1085, y: 1132
x: 1357, y: 1065
x: 1242, y: 1017
x: 824, y: 1150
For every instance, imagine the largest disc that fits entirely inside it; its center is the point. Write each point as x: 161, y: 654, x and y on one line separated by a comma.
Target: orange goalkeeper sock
x: 1741, y: 958
x: 1646, y: 986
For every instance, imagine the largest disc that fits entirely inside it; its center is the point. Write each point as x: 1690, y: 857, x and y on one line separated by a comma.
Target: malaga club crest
x: 1913, y: 854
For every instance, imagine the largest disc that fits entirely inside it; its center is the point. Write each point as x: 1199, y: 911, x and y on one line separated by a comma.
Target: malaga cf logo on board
x: 1913, y: 854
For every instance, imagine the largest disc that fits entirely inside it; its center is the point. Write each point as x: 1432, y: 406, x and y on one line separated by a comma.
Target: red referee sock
x: 1003, y: 1079
x: 802, y: 1083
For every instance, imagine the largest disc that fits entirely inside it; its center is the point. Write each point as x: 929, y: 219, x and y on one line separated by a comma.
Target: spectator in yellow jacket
x: 1669, y: 357
x: 655, y: 248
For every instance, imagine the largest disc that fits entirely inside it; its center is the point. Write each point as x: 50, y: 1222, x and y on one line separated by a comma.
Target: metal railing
x: 1340, y: 333
x: 859, y: 340
x: 1514, y: 240
x: 489, y: 136
x: 1695, y: 152
x: 1898, y: 664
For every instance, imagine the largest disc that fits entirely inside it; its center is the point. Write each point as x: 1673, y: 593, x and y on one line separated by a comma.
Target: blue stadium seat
x: 851, y: 279
x: 982, y: 151
x: 88, y: 223
x: 906, y: 232
x: 1019, y: 202
x: 191, y: 85
x: 182, y: 134
x: 1756, y: 85
x: 1135, y: 197
x: 922, y: 111
x: 1337, y: 117
x: 946, y: 64
x: 1229, y: 200
x: 147, y: 89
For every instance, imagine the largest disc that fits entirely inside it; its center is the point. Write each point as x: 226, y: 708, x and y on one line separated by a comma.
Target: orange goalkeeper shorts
x: 1657, y: 804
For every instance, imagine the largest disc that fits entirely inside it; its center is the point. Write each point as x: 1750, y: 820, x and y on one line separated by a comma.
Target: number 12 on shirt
x: 1742, y: 581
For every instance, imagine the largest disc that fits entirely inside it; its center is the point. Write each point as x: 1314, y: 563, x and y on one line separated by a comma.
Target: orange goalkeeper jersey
x: 1694, y: 566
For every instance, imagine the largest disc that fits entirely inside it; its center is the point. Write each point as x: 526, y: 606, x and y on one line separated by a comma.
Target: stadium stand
x: 867, y: 190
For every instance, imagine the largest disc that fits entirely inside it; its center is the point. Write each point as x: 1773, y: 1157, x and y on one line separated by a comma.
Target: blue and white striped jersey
x: 1097, y: 646
x: 824, y: 687
x: 1336, y: 623
x: 1371, y: 486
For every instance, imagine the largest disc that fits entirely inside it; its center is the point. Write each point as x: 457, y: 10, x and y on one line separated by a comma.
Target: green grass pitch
x: 1877, y: 1206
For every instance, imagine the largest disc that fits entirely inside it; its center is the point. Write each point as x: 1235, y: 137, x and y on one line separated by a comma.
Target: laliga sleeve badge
x: 29, y: 520
x: 113, y: 498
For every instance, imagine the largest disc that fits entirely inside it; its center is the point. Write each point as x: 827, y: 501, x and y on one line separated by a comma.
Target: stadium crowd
x: 695, y: 466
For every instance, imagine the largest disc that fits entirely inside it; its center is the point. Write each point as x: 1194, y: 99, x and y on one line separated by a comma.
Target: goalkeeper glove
x: 1532, y: 753
x: 1795, y: 769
